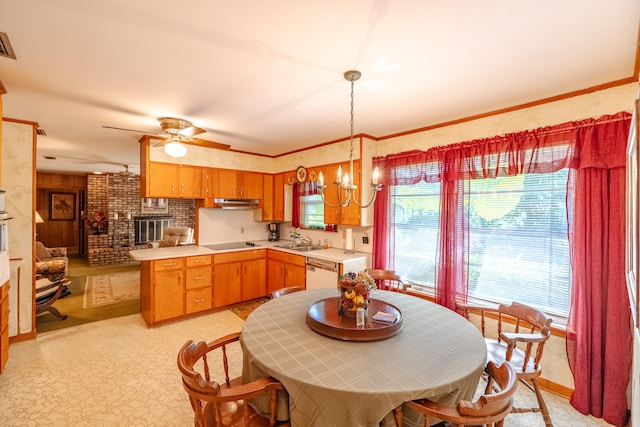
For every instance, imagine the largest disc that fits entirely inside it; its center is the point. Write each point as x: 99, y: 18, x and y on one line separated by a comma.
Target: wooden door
x: 168, y: 294
x: 251, y: 185
x: 227, y: 185
x: 191, y: 182
x: 278, y: 197
x: 275, y: 275
x: 227, y: 284
x: 295, y: 275
x: 163, y: 180
x: 267, y: 201
x: 254, y: 279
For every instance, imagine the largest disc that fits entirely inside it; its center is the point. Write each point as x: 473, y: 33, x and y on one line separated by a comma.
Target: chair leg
x: 56, y: 313
x: 397, y: 415
x: 543, y: 406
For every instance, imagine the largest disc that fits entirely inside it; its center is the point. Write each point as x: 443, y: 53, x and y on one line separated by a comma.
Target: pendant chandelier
x: 346, y: 184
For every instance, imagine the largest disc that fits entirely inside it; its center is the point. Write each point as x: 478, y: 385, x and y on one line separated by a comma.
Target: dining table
x: 436, y: 354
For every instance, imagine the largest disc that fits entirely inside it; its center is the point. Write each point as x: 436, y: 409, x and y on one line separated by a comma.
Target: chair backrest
x: 387, y: 280
x: 491, y: 408
x: 286, y: 290
x: 183, y: 235
x: 210, y: 398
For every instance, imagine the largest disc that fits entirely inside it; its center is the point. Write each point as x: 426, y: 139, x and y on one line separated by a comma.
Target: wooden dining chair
x: 522, y: 332
x: 224, y: 402
x: 490, y: 409
x: 287, y: 290
x: 388, y: 280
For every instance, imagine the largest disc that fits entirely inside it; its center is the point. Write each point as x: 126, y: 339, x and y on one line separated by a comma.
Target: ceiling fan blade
x: 128, y: 130
x: 191, y: 131
x: 206, y: 144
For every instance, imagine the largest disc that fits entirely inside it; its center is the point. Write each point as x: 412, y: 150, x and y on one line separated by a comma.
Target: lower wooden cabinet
x: 239, y: 276
x: 285, y: 269
x: 175, y: 287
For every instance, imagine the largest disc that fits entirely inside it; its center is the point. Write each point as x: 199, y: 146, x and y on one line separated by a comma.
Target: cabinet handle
x: 182, y: 188
x: 168, y: 264
x: 198, y: 260
x: 173, y: 189
x: 198, y: 278
x: 199, y: 300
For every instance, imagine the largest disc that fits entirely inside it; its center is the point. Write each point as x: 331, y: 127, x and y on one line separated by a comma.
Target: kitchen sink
x: 299, y: 248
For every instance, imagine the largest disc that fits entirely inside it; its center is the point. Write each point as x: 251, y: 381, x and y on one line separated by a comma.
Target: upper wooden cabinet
x: 172, y: 180
x: 272, y: 206
x: 236, y: 184
x: 341, y: 215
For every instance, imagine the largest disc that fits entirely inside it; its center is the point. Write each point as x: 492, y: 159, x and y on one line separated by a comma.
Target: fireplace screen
x: 149, y: 228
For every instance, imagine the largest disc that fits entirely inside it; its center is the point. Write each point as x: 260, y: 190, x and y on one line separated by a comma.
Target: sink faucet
x: 307, y: 240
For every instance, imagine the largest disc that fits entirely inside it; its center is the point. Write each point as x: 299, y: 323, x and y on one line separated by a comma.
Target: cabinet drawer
x: 168, y: 264
x: 4, y: 291
x: 195, y: 261
x: 198, y: 277
x: 239, y: 256
x: 198, y: 300
x: 286, y: 257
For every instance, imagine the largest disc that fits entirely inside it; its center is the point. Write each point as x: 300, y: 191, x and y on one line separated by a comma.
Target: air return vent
x: 5, y: 46
x: 41, y: 132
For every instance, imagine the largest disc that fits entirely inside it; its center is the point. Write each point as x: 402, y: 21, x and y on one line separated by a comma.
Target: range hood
x: 236, y: 203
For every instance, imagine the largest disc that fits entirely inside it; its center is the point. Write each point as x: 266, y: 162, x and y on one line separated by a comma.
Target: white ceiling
x: 267, y: 76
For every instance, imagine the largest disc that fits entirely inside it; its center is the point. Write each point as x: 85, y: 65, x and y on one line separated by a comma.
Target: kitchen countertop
x: 331, y: 254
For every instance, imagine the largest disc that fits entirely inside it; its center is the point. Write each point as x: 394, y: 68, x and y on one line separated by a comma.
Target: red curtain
x: 295, y: 209
x: 599, y: 339
x: 598, y: 330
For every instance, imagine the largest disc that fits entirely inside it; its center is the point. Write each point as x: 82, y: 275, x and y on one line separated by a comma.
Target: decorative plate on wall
x: 291, y: 179
x: 313, y: 176
x: 301, y: 174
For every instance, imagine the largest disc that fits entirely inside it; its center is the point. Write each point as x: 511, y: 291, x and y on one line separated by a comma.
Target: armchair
x: 51, y: 263
x: 173, y: 236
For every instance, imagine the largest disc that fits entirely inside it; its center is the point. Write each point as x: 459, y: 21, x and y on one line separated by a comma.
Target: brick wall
x: 117, y: 194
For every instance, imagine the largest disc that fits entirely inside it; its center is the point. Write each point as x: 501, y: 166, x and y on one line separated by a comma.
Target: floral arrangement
x: 97, y: 222
x: 355, y: 291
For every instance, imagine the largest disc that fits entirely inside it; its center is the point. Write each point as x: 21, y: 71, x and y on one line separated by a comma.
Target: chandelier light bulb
x: 175, y: 149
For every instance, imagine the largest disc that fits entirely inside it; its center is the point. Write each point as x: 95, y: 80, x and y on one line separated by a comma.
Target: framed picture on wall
x: 62, y: 206
x: 154, y: 206
x: 633, y: 217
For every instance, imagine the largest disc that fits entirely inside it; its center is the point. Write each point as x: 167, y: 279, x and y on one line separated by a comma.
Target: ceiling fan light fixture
x: 175, y: 149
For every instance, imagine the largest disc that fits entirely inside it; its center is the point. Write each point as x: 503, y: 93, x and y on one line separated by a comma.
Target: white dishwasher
x: 321, y: 273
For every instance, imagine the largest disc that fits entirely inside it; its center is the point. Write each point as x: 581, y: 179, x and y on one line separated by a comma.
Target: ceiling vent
x: 5, y: 46
x: 41, y: 132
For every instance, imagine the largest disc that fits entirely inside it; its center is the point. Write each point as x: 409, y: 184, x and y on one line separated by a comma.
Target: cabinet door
x: 331, y: 214
x: 227, y: 284
x: 350, y: 215
x: 267, y: 201
x: 251, y: 185
x: 227, y: 185
x: 275, y: 275
x: 295, y: 275
x: 278, y: 197
x: 209, y: 180
x: 168, y: 295
x: 191, y: 182
x: 163, y: 180
x: 253, y: 279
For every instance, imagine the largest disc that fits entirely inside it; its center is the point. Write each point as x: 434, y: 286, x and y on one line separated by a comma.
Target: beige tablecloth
x: 437, y: 354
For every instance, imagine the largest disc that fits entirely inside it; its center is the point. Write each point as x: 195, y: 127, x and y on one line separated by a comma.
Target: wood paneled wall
x: 56, y: 233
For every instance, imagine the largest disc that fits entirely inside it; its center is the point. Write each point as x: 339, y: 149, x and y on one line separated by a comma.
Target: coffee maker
x: 274, y: 231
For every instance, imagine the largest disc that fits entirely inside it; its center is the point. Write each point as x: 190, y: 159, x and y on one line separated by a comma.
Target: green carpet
x: 71, y: 305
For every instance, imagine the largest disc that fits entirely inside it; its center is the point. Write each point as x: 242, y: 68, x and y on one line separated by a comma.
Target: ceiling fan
x: 130, y: 176
x: 176, y: 132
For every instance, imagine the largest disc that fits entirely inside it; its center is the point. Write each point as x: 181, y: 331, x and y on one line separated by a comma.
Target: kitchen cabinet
x: 174, y: 287
x: 170, y: 180
x: 278, y: 197
x: 4, y: 325
x: 349, y: 215
x: 285, y: 269
x: 266, y: 211
x: 239, y: 276
x: 236, y: 184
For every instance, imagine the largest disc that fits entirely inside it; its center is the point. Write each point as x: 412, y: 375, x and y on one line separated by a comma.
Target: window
x: 518, y: 243
x: 312, y: 211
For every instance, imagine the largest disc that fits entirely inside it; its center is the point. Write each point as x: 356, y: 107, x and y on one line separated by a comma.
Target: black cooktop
x: 230, y: 245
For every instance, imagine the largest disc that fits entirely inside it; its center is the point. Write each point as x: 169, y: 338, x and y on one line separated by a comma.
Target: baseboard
x: 555, y: 388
